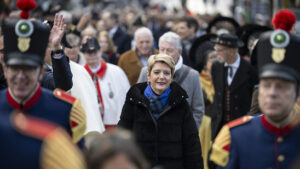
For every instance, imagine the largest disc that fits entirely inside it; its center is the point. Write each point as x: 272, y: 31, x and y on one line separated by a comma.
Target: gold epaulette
x: 77, y: 114
x: 221, y: 146
x: 31, y: 126
x: 77, y: 121
x: 58, y: 152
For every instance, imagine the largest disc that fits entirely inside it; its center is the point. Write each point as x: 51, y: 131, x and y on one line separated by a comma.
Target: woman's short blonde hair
x: 161, y: 58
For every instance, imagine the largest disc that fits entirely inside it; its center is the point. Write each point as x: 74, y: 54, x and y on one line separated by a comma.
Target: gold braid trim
x: 207, y: 86
x: 221, y: 146
x: 77, y: 117
x: 58, y: 152
x: 219, y: 155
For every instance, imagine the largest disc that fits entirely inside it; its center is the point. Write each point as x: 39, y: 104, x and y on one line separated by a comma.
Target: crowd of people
x: 141, y: 89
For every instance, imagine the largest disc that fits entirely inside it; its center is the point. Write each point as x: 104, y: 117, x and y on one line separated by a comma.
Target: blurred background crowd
x: 123, y: 34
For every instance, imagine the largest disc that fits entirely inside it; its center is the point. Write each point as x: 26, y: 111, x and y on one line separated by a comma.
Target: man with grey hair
x: 185, y: 76
x: 134, y: 60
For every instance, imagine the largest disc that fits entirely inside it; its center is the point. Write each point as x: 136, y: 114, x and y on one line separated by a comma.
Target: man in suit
x: 233, y: 80
x: 187, y: 28
x: 121, y: 39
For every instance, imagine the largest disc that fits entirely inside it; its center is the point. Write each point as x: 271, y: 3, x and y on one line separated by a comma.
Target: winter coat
x: 172, y: 139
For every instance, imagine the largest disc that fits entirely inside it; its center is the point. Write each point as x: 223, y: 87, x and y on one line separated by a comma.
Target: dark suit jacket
x: 60, y: 76
x: 240, y: 92
x: 122, y: 40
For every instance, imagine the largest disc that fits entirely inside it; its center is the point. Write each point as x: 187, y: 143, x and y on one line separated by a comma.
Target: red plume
x: 284, y: 19
x: 25, y: 6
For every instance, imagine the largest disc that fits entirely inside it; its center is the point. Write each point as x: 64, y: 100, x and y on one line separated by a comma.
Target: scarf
x: 157, y: 103
x: 207, y: 86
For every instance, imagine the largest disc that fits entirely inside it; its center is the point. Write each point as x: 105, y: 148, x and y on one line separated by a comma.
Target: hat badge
x: 24, y: 29
x: 279, y: 40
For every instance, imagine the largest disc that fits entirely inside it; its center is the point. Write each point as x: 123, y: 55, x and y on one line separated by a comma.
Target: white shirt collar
x: 179, y: 63
x: 113, y: 31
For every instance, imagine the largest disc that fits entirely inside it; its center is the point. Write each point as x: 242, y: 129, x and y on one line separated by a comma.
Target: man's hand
x: 57, y: 32
x: 84, y: 20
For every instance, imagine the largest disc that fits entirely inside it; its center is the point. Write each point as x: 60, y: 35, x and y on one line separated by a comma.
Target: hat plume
x: 25, y: 6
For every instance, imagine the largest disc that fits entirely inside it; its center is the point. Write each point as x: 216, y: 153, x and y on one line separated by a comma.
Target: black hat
x: 138, y: 21
x: 89, y: 44
x: 277, y: 55
x: 65, y: 40
x: 250, y: 31
x: 218, y: 22
x: 199, y: 51
x: 229, y: 40
x: 25, y: 42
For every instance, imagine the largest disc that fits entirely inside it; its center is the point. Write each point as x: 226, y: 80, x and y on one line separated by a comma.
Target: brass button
x: 281, y: 158
x: 279, y: 139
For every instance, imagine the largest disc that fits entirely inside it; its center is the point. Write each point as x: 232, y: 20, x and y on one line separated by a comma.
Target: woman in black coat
x: 160, y: 117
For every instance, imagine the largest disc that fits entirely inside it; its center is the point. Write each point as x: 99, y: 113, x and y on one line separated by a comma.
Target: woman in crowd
x: 158, y: 114
x: 115, y: 150
x: 107, y: 48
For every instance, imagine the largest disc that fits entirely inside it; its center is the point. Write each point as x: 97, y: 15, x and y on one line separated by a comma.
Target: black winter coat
x: 172, y: 139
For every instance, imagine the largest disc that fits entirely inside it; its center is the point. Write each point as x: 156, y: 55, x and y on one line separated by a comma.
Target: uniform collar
x: 281, y: 131
x: 100, y: 72
x: 28, y: 102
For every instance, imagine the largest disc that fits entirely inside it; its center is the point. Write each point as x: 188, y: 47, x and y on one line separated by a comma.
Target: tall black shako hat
x: 277, y: 55
x: 25, y: 41
x: 89, y: 44
x: 229, y: 40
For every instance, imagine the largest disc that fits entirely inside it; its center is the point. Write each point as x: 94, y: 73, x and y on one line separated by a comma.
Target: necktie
x: 229, y: 71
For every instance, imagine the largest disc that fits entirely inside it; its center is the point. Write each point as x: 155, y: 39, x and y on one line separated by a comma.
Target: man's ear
x: 180, y: 51
x: 42, y: 71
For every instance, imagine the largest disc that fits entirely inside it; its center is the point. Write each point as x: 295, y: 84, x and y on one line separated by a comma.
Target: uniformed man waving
x: 25, y: 42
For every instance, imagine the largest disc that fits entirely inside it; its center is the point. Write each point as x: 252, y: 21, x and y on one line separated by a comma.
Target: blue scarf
x: 157, y: 103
